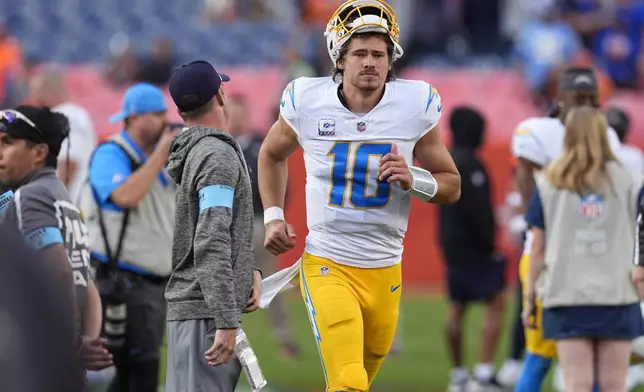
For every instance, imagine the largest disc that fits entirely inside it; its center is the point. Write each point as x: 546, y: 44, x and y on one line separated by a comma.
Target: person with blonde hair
x: 582, y: 217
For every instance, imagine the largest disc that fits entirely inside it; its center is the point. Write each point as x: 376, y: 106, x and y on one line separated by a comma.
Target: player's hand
x: 529, y: 312
x: 222, y: 348
x: 637, y: 277
x: 280, y: 237
x: 95, y: 355
x: 253, y: 301
x: 394, y: 168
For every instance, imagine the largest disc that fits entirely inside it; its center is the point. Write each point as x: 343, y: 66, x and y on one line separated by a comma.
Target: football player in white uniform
x: 360, y: 131
x: 535, y: 143
x: 628, y: 154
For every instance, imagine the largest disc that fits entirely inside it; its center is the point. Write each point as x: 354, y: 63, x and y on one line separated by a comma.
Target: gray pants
x: 188, y: 370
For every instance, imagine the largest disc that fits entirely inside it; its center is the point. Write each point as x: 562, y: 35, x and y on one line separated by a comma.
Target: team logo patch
x: 362, y: 126
x: 324, y: 271
x: 326, y: 127
x: 591, y: 207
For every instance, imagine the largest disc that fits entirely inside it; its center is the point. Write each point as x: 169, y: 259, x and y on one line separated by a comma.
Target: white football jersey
x: 353, y: 218
x: 541, y: 140
x: 631, y: 157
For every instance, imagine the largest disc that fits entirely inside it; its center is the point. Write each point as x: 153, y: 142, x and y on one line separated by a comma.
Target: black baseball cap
x: 194, y: 84
x: 36, y: 124
x: 578, y: 79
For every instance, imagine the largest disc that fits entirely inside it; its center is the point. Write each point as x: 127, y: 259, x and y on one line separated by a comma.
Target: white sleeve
x: 81, y: 140
x: 76, y: 146
x: 433, y: 109
x: 288, y: 108
x: 526, y: 145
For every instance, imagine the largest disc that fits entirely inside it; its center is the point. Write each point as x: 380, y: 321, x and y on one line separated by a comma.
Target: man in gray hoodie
x: 212, y: 281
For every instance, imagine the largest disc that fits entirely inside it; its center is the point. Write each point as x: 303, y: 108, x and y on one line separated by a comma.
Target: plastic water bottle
x: 249, y: 362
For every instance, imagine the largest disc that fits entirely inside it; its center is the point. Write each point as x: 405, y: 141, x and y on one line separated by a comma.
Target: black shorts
x: 593, y: 322
x: 476, y: 281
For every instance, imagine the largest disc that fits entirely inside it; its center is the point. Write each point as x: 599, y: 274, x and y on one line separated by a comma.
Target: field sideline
x: 423, y: 367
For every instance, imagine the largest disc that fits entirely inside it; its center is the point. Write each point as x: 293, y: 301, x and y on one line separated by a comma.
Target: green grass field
x: 423, y: 367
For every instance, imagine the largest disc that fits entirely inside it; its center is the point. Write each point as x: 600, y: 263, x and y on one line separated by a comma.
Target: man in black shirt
x: 475, y: 271
x: 250, y: 143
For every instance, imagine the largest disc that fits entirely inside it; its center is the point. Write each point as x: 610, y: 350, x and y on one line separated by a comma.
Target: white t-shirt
x: 80, y: 144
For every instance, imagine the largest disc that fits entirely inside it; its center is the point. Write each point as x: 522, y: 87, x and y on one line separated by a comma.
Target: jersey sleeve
x: 37, y: 219
x: 526, y: 145
x: 109, y: 168
x: 613, y: 141
x: 288, y: 105
x: 534, y: 215
x: 433, y: 108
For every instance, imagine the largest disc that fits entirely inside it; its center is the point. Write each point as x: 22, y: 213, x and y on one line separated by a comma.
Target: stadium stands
x: 78, y: 31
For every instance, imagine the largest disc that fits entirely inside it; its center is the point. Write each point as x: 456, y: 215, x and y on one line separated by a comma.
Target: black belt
x: 154, y: 279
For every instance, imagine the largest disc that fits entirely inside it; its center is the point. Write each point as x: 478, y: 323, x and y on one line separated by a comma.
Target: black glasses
x: 11, y: 116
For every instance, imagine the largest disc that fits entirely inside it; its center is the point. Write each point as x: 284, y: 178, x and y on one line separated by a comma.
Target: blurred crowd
x: 538, y: 37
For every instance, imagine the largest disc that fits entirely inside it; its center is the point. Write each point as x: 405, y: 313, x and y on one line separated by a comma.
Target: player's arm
x: 436, y: 180
x: 536, y: 222
x: 280, y: 142
x: 434, y: 158
x: 524, y: 178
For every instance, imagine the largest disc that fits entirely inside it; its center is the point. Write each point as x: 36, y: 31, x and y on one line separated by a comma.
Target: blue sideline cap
x: 194, y: 85
x: 141, y: 98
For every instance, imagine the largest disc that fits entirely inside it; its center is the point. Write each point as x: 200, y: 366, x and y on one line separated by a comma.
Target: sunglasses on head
x: 11, y: 116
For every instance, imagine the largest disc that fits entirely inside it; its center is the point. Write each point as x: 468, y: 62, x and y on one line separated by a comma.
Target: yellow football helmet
x: 361, y: 16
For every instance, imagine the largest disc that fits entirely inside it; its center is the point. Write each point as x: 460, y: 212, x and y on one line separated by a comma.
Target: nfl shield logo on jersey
x: 326, y: 127
x: 591, y: 207
x: 362, y: 126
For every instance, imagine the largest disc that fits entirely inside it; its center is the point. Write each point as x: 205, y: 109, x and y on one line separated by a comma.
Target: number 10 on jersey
x: 343, y: 154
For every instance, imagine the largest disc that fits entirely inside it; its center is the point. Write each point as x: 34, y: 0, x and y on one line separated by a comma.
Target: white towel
x: 278, y: 282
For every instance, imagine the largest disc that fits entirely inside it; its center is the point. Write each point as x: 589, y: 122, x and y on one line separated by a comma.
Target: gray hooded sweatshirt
x: 212, y: 253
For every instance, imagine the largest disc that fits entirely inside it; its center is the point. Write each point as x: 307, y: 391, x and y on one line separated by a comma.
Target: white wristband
x: 424, y: 185
x: 273, y: 213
